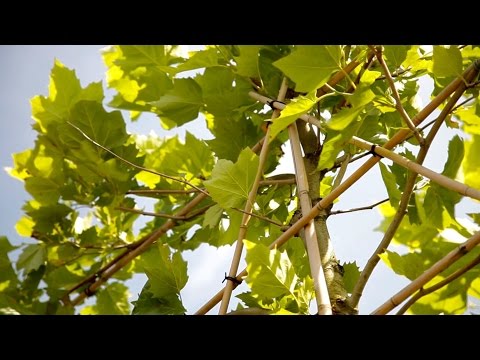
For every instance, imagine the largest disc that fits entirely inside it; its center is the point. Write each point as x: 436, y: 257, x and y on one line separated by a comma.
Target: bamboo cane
x: 248, y: 208
x: 313, y: 251
x: 422, y: 170
x: 428, y: 275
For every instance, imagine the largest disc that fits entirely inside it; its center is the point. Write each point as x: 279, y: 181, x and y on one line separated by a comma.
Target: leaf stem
x: 248, y: 207
x: 369, y: 207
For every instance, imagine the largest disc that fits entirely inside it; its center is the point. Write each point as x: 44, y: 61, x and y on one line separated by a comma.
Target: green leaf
x: 169, y: 276
x: 65, y: 91
x: 270, y: 272
x: 247, y: 62
x: 45, y: 191
x: 455, y: 157
x: 107, y: 129
x: 344, y: 118
x: 396, y: 55
x: 336, y: 141
x: 224, y: 144
x: 32, y: 257
x: 391, y: 184
x: 231, y: 183
x: 8, y: 278
x: 447, y: 61
x: 351, y: 275
x: 294, y: 109
x: 180, y: 104
x: 148, y: 304
x: 200, y: 59
x: 224, y: 92
x: 113, y: 300
x: 471, y: 162
x: 310, y: 66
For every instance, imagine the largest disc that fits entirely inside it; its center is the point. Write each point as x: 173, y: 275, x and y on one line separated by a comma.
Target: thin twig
x: 462, y: 103
x: 425, y: 291
x: 248, y: 207
x: 395, y: 74
x: 260, y: 217
x: 396, y: 96
x: 166, y: 216
x: 325, y: 202
x: 428, y: 275
x: 150, y: 192
x: 369, y: 207
x: 135, y: 165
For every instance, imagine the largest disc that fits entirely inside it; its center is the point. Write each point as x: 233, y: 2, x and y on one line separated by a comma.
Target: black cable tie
x: 232, y: 279
x: 271, y: 102
x: 372, y: 151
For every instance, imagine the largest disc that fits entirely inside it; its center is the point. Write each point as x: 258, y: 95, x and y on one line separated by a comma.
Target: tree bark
x: 331, y: 266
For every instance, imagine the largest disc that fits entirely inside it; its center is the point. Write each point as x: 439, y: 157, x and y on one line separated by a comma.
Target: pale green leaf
x: 199, y: 59
x: 294, y: 109
x: 390, y: 182
x: 310, y: 66
x: 247, y: 62
x: 471, y: 162
x: 231, y: 183
x: 351, y: 275
x: 446, y: 61
x: 270, y: 272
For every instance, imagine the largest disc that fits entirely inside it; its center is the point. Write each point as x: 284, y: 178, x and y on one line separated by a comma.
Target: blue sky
x: 24, y: 71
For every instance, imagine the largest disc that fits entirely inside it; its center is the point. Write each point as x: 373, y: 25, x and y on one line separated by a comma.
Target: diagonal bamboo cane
x: 313, y: 251
x: 425, y: 291
x: 428, y: 275
x: 417, y: 168
x: 248, y: 208
x: 400, y: 136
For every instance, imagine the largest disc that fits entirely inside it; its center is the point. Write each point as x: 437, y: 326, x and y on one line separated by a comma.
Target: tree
x: 335, y: 104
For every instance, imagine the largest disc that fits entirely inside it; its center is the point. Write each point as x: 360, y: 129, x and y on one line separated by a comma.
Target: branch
x: 428, y: 275
x: 135, y: 165
x: 425, y: 291
x: 95, y: 280
x: 396, y: 96
x: 369, y: 207
x: 372, y: 262
x: 248, y: 207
